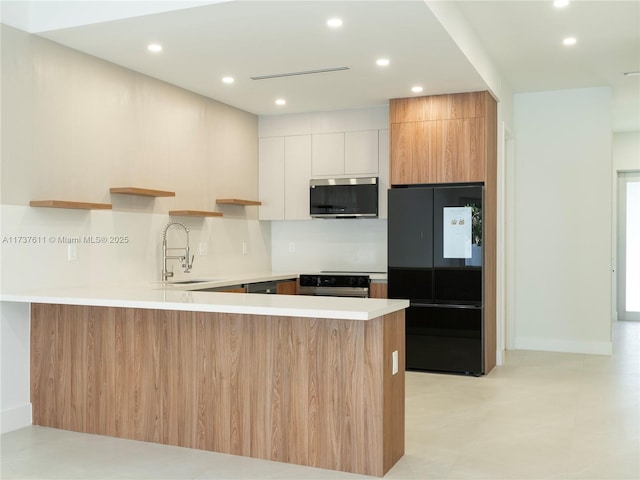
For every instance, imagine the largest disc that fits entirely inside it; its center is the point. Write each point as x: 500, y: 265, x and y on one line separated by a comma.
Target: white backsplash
x: 44, y: 262
x: 331, y: 244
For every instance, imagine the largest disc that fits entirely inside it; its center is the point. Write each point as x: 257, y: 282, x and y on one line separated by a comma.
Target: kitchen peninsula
x: 305, y: 380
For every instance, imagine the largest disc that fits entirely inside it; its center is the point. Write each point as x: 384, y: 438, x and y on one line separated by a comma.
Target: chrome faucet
x: 182, y: 258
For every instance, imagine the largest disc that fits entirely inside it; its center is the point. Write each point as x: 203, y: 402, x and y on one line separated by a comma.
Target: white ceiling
x: 203, y: 43
x: 523, y: 39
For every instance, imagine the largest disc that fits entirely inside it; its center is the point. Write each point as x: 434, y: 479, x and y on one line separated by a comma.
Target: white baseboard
x: 566, y: 346
x: 15, y: 418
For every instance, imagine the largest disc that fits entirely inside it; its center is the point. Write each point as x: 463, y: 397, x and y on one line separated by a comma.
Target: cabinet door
x: 288, y: 287
x: 462, y: 157
x: 414, y: 150
x: 383, y: 171
x: 271, y: 178
x: 361, y: 152
x: 297, y: 172
x: 378, y: 290
x: 327, y: 154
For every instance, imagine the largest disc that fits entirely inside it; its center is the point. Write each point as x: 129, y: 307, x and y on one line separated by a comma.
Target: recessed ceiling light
x: 281, y: 101
x: 560, y: 3
x: 569, y: 41
x: 334, y: 22
x: 382, y: 62
x: 154, y: 47
x: 416, y: 89
x: 228, y: 80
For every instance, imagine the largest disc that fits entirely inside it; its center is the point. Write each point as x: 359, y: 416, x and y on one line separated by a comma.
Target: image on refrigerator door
x: 435, y: 261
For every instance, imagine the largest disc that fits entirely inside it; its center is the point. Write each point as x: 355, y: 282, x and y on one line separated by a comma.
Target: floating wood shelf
x: 236, y: 201
x: 67, y: 204
x: 144, y: 192
x: 193, y: 213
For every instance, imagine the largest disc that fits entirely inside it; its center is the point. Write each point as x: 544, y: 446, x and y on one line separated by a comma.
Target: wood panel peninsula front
x: 304, y: 380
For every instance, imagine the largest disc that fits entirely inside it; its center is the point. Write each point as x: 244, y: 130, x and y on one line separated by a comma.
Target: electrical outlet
x: 245, y: 248
x: 394, y: 362
x: 203, y: 248
x: 292, y: 247
x: 72, y: 252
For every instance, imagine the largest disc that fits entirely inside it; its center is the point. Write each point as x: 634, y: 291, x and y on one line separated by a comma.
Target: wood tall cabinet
x: 452, y: 139
x: 440, y: 139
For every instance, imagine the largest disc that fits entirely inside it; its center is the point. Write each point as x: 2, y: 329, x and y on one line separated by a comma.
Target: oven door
x: 357, y: 292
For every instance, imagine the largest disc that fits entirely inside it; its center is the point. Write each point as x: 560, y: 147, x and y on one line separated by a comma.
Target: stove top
x: 335, y: 279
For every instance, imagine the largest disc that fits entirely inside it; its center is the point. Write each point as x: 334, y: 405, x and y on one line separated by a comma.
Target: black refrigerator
x: 435, y: 260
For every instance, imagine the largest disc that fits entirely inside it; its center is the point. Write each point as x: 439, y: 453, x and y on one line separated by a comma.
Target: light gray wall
x: 74, y: 125
x: 562, y: 220
x: 626, y: 151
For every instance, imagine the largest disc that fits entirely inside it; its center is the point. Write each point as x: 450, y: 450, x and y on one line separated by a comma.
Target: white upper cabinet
x: 284, y: 170
x: 345, y: 153
x: 327, y: 154
x: 271, y: 178
x: 361, y: 153
x: 295, y: 148
x: 297, y: 171
x: 354, y: 120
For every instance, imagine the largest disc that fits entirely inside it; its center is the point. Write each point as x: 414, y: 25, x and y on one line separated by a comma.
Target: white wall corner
x: 459, y: 29
x: 15, y: 418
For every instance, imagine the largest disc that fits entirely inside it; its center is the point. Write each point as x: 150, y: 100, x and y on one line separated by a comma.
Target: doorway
x: 628, y: 246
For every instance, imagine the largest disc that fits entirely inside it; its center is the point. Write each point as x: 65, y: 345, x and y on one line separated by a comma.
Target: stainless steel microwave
x: 343, y: 197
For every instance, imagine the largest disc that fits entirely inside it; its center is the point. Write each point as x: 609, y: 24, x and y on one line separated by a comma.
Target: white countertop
x: 157, y: 296
x: 222, y: 281
x: 229, y: 280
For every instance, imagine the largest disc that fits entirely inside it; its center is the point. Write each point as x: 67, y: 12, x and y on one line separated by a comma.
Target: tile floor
x: 539, y: 416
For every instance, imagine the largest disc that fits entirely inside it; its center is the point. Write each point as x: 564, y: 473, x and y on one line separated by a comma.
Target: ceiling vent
x: 305, y: 72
